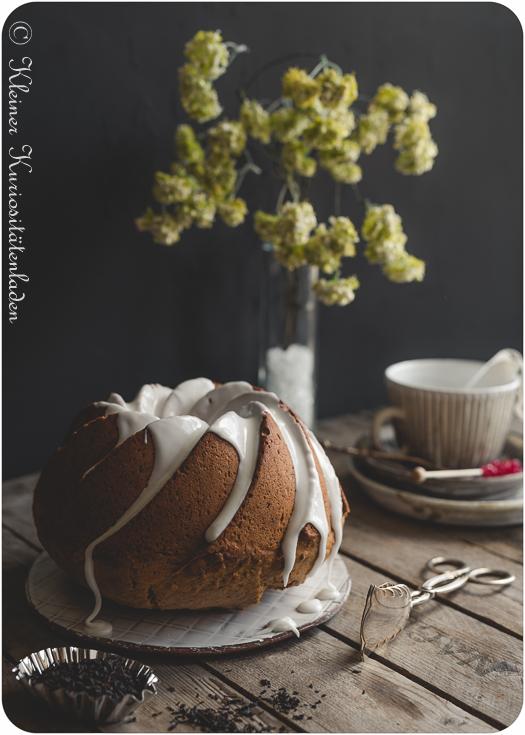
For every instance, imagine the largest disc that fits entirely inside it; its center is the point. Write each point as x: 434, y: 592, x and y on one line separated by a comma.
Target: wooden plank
x: 467, y: 661
x: 192, y: 685
x: 401, y: 547
x: 23, y: 630
x: 16, y: 551
x: 372, y: 698
x: 17, y: 506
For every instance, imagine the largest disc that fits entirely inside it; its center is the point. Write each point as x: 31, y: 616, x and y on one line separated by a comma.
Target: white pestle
x: 503, y: 367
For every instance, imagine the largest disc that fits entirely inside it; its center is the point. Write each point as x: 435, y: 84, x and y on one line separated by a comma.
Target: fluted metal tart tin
x: 82, y: 705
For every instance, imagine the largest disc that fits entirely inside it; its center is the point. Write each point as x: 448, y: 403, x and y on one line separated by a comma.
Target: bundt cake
x: 201, y: 496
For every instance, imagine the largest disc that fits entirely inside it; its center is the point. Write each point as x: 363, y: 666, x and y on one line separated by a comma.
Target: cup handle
x: 382, y: 417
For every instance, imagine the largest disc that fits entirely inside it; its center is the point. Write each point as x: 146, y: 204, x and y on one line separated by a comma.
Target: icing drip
x: 310, y: 606
x: 281, y: 625
x: 161, y: 402
x: 177, y: 419
x: 216, y: 402
x: 242, y: 431
x: 309, y: 503
x: 328, y: 593
x: 174, y: 439
x: 186, y: 395
x: 128, y: 423
x: 334, y: 495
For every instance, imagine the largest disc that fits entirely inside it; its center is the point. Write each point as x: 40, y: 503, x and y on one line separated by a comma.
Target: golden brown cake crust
x: 160, y: 558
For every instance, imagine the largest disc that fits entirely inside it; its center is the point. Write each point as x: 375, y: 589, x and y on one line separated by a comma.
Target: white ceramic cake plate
x: 65, y: 605
x: 507, y: 512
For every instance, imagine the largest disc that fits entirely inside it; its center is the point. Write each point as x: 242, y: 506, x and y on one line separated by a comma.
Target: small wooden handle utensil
x: 493, y: 469
x: 365, y: 452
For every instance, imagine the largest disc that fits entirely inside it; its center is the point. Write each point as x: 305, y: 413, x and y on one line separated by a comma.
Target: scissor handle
x: 437, y: 562
x: 445, y: 582
x: 498, y: 577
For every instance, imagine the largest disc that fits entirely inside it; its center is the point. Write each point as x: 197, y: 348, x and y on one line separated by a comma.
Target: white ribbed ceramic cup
x: 437, y: 418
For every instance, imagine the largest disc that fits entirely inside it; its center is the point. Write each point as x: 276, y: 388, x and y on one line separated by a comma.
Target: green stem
x: 250, y: 165
x: 324, y: 63
x: 235, y: 49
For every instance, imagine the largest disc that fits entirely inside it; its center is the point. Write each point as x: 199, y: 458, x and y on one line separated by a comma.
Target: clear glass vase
x: 288, y: 344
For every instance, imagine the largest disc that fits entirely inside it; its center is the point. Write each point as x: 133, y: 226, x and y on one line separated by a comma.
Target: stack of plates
x: 473, y: 501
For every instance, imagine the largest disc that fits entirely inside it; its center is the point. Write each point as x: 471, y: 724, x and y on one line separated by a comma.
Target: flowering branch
x: 313, y: 124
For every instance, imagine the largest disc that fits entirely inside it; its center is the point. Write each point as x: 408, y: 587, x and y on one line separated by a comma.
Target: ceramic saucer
x: 398, y: 475
x: 494, y: 512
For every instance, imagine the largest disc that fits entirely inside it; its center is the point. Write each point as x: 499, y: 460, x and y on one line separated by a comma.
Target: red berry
x: 501, y: 467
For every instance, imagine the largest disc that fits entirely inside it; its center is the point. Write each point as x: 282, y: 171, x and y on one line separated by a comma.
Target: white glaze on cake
x: 177, y: 419
x: 174, y: 438
x: 310, y: 606
x: 242, y: 430
x: 309, y: 503
x: 282, y: 625
x: 329, y: 592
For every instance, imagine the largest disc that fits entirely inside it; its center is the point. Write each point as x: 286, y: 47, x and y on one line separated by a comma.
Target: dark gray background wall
x: 108, y: 310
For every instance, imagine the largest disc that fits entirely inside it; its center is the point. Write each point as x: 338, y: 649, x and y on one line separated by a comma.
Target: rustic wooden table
x: 456, y: 667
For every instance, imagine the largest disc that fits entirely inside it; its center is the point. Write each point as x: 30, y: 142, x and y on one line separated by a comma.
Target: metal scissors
x: 388, y: 605
x: 458, y: 576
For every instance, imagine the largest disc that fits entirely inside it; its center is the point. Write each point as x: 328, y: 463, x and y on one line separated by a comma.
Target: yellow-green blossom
x: 188, y: 149
x: 349, y: 150
x: 232, y: 211
x: 227, y: 138
x: 288, y: 231
x: 266, y: 226
x: 341, y: 162
x: 202, y: 209
x: 299, y: 87
x: 404, y: 269
x: 346, y: 172
x: 207, y: 52
x: 288, y: 124
x: 290, y: 256
x: 421, y: 107
x: 327, y: 246
x: 345, y: 118
x: 198, y: 97
x: 164, y: 227
x: 344, y: 234
x: 410, y: 131
x: 314, y: 124
x: 220, y: 176
x: 295, y: 159
x: 170, y: 189
x: 382, y: 229
x: 335, y: 89
x: 392, y: 99
x: 336, y: 291
x: 325, y: 133
x: 372, y: 129
x: 418, y: 158
x: 185, y: 214
x: 256, y: 120
x: 297, y: 220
